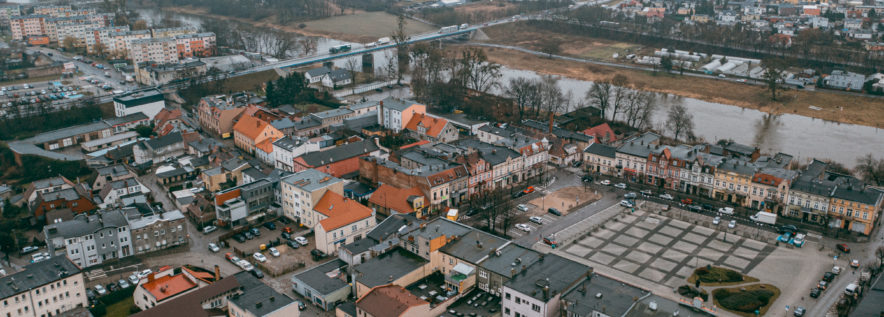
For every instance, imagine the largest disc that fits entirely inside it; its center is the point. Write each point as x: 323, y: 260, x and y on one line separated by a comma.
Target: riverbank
x: 835, y: 107
x: 357, y: 27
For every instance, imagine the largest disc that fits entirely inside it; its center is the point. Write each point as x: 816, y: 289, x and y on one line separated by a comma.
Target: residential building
x: 601, y: 133
x: 632, y: 156
x: 337, y: 78
x: 148, y: 102
x: 46, y: 288
x: 122, y: 41
x: 256, y: 299
x: 234, y: 205
x: 195, y: 45
x: 433, y: 129
x: 159, y: 149
x: 599, y: 158
x: 160, y: 50
x: 397, y: 267
x: 46, y: 185
x: 62, y: 204
x: 855, y: 209
x: 339, y: 161
x: 389, y: 200
x: 392, y: 301
x: 395, y: 113
x: 444, y: 184
x: 153, y: 74
x: 340, y: 221
x: 100, y: 40
x: 250, y: 131
x: 302, y: 191
x: 286, y: 149
x: 113, y: 193
x: 506, y: 164
x: 670, y: 167
x: 154, y: 230
x: 770, y: 189
x: 538, y: 290
x: 316, y: 75
x: 809, y: 196
x: 164, y: 286
x: 217, y: 114
x: 733, y: 178
x: 209, y: 300
x: 90, y: 240
x: 323, y: 285
x: 333, y: 117
x: 7, y: 11
x: 23, y: 26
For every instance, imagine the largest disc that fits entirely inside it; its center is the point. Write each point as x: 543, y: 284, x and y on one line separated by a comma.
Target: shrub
x: 717, y: 275
x: 690, y: 292
x: 744, y: 301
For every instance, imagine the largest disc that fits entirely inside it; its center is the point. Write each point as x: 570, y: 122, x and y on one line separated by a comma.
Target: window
x: 506, y: 311
x: 535, y: 307
x: 518, y: 300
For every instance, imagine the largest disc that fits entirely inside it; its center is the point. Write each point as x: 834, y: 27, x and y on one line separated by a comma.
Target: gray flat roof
x: 318, y: 277
x: 310, y: 179
x: 69, y: 132
x: 550, y: 270
x: 36, y: 275
x: 394, y: 264
x: 257, y: 297
x: 617, y: 298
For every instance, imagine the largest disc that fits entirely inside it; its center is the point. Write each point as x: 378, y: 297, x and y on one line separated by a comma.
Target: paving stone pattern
x: 666, y: 251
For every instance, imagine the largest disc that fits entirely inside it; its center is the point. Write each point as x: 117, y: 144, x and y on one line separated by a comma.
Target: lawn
x: 744, y: 301
x: 719, y: 276
x: 121, y: 308
x: 365, y: 24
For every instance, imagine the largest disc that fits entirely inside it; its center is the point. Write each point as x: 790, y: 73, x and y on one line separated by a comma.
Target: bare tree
x: 391, y: 69
x: 638, y: 108
x: 618, y: 94
x: 551, y: 98
x: 600, y: 96
x: 353, y: 66
x: 524, y: 94
x: 870, y: 169
x: 680, y: 122
x: 773, y: 72
x: 476, y: 72
x: 401, y: 39
x: 308, y: 45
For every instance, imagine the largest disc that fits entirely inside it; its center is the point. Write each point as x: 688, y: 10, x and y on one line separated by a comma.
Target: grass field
x: 121, y: 308
x: 365, y: 24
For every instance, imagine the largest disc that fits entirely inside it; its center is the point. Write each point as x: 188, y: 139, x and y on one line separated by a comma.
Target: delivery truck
x: 764, y: 217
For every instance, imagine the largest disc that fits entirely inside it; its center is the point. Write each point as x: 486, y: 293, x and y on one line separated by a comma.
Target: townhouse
x: 632, y: 156
x: 111, y: 173
x: 389, y: 200
x: 90, y: 240
x: 538, y: 290
x: 340, y: 221
x: 432, y: 129
x: 809, y: 195
x: 444, y: 184
x: 115, y: 192
x: 286, y: 149
x: 770, y: 189
x: 62, y: 204
x: 733, y: 179
x: 154, y: 229
x: 340, y: 161
x: 855, y: 209
x: 159, y: 149
x: 238, y: 205
x: 46, y: 288
x: 599, y: 158
x: 323, y: 285
x: 250, y: 131
x: 217, y: 114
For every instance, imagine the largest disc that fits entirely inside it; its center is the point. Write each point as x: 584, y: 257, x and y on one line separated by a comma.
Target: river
x: 803, y: 137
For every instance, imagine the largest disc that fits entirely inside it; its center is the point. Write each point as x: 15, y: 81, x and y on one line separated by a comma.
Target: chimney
x: 546, y: 292
x: 150, y: 277
x: 217, y: 273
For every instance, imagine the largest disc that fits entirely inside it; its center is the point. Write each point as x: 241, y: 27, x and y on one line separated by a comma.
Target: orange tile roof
x: 602, y: 131
x: 168, y: 286
x: 389, y: 300
x: 340, y: 211
x: 250, y: 127
x: 266, y: 145
x: 434, y: 126
x: 418, y: 143
x: 166, y: 115
x: 395, y: 198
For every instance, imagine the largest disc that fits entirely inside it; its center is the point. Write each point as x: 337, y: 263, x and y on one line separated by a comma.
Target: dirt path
x: 566, y: 198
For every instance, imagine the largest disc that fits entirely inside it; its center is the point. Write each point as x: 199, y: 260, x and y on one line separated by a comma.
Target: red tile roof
x: 601, y: 132
x: 168, y: 286
x: 389, y: 301
x: 250, y: 127
x: 433, y: 126
x: 340, y: 211
x: 395, y: 198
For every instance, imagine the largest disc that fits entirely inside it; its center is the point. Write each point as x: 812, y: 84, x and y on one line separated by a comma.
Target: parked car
x: 134, y: 279
x: 301, y: 305
x: 214, y: 247
x: 112, y: 287
x: 716, y: 220
x: 255, y: 232
x: 799, y: 311
x: 695, y: 208
x: 317, y: 255
x: 630, y: 195
x: 732, y: 224
x: 209, y: 229
x: 523, y: 227
x: 708, y: 207
x: 239, y: 238
x: 647, y: 193
x: 620, y: 185
x: 823, y: 285
x: 522, y: 207
x: 528, y: 190
x: 144, y: 273
x: 667, y: 196
x: 90, y: 294
x: 787, y: 228
x: 587, y: 179
x: 828, y: 276
x: 301, y: 240
x: 726, y: 210
x: 270, y: 225
x: 843, y: 247
x: 274, y: 252
x: 292, y: 244
x: 536, y: 220
x: 124, y: 284
x: 248, y: 235
x: 836, y: 270
x: 854, y: 263
x: 687, y: 201
x: 605, y: 182
x: 554, y: 212
x: 100, y: 290
x: 286, y: 235
x: 29, y: 249
x: 815, y: 292
x: 626, y: 203
x: 257, y: 273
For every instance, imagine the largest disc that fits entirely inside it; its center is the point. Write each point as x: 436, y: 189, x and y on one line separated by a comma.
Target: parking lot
x: 288, y: 258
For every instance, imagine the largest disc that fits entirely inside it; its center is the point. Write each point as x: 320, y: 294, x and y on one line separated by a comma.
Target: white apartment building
x: 46, y: 288
x: 90, y: 240
x: 195, y: 44
x: 8, y: 11
x: 27, y: 25
x: 102, y: 36
x: 121, y: 40
x: 286, y: 149
x: 81, y: 32
x: 148, y: 102
x: 341, y: 221
x: 303, y: 190
x: 160, y: 50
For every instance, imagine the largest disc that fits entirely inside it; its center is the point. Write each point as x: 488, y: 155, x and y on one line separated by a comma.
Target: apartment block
x: 46, y: 288
x: 27, y: 25
x: 160, y: 50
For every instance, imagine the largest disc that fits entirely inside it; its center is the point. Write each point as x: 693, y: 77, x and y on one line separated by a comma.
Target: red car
x: 528, y: 190
x: 228, y: 255
x: 551, y: 241
x: 843, y: 248
x: 687, y: 201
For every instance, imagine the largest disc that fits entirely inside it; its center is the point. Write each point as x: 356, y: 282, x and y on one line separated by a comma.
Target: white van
x: 851, y: 289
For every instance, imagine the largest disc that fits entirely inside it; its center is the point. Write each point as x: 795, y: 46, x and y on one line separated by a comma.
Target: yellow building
x: 855, y: 209
x: 733, y: 180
